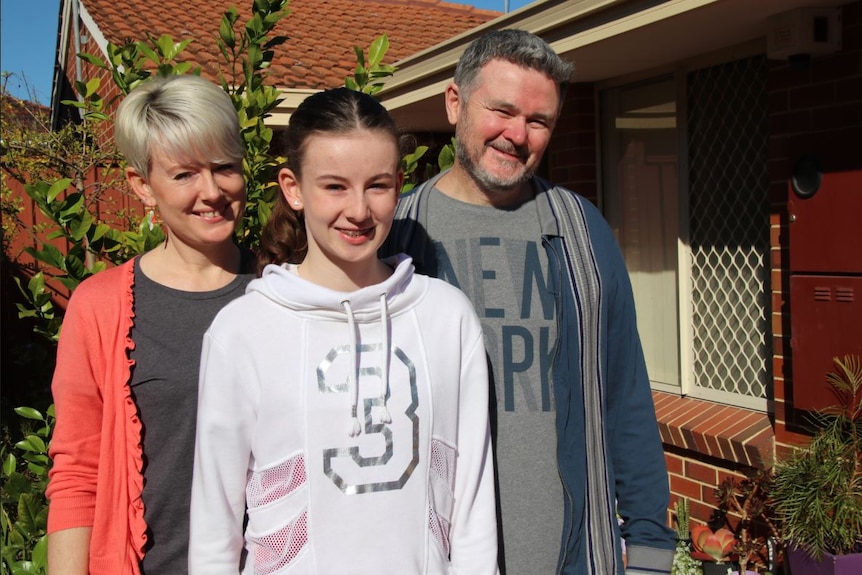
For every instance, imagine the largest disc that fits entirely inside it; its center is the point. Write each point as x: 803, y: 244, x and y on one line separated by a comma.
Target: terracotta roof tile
x: 321, y: 33
x: 23, y: 114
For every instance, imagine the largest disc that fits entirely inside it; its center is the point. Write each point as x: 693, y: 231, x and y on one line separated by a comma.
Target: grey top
x: 168, y: 333
x: 494, y: 257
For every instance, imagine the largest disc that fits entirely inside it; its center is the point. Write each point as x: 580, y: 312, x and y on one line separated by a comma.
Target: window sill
x: 725, y: 432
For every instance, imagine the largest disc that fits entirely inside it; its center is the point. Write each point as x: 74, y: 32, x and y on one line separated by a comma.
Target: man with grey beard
x: 576, y: 439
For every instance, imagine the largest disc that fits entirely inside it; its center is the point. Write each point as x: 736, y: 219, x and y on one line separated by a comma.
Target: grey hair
x: 184, y: 117
x: 516, y: 46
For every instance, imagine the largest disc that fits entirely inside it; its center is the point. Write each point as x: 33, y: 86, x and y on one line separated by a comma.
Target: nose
x: 210, y: 189
x: 516, y: 130
x: 357, y: 206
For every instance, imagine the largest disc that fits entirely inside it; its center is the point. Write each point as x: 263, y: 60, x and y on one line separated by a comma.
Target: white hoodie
x: 283, y: 368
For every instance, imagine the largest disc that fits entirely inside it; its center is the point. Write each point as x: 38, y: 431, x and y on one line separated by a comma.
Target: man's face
x: 503, y: 125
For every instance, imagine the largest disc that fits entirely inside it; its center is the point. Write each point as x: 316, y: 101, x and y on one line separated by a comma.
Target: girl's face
x: 348, y: 191
x: 200, y: 203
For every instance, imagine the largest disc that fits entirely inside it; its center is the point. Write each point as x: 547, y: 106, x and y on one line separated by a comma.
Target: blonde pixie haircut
x: 183, y: 117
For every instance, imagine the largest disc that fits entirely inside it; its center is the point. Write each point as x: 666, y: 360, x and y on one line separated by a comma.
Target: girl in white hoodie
x: 343, y: 408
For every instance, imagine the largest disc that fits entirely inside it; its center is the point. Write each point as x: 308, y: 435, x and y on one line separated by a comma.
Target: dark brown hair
x: 336, y: 111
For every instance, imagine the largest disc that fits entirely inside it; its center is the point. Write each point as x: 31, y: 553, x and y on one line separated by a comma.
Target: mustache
x: 508, y: 147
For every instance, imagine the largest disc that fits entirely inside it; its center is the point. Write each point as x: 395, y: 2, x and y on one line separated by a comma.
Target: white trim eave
x: 566, y: 24
x: 427, y: 73
x: 406, y: 85
x: 664, y: 11
x: 291, y: 99
x: 93, y: 28
x: 60, y: 52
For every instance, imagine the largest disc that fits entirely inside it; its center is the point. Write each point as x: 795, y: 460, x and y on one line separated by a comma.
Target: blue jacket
x: 609, y: 452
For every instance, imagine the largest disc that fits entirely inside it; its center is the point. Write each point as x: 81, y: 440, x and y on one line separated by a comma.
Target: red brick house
x: 721, y: 140
x: 702, y: 130
x: 318, y: 53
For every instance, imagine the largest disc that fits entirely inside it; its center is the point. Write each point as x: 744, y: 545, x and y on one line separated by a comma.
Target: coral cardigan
x: 96, y: 479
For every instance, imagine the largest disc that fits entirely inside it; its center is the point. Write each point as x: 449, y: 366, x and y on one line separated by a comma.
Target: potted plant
x: 817, y: 491
x: 748, y: 499
x: 683, y: 562
x: 713, y: 549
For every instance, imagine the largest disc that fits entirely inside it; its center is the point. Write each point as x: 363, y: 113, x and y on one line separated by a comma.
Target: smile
x: 511, y: 152
x: 210, y: 214
x: 354, y: 233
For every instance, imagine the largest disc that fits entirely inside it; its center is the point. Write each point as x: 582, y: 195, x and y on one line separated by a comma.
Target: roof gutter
x: 565, y: 24
x: 430, y: 71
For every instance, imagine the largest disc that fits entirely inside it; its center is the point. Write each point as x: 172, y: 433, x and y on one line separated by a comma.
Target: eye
x: 539, y: 123
x: 182, y: 176
x: 223, y: 168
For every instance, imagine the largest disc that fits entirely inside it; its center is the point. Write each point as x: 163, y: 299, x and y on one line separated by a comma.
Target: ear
x: 400, y: 182
x: 452, y: 98
x: 140, y: 187
x: 289, y: 184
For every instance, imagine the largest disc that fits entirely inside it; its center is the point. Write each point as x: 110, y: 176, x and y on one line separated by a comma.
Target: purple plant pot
x: 713, y: 568
x: 801, y: 563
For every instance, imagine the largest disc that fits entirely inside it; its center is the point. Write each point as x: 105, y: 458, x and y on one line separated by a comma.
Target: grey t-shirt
x: 495, y: 256
x: 168, y: 334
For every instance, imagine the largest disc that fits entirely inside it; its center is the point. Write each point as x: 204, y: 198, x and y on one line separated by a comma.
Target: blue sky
x: 28, y: 38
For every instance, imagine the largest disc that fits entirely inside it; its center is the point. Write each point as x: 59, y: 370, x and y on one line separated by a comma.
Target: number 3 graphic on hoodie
x: 391, y: 469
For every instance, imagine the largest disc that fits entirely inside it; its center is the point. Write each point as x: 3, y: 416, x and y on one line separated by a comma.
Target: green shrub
x: 57, y: 179
x: 24, y: 518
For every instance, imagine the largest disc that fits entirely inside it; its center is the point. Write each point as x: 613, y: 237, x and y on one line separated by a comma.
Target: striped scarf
x: 578, y: 261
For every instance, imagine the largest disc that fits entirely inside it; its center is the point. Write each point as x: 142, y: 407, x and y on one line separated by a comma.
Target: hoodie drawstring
x: 353, y: 374
x: 352, y: 379
x: 384, y: 359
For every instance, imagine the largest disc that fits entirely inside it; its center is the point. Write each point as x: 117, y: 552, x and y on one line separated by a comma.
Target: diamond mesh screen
x: 729, y: 226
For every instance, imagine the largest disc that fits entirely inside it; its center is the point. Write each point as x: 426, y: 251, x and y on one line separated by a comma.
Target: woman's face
x: 348, y: 191
x: 199, y: 203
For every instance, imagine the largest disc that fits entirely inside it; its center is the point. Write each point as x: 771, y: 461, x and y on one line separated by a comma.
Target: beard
x: 470, y: 160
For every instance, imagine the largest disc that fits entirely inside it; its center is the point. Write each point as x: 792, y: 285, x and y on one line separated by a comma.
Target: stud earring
x: 295, y: 202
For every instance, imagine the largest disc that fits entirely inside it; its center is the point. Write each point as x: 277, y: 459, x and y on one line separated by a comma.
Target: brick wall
x: 571, y: 157
x: 822, y: 100
x: 707, y: 442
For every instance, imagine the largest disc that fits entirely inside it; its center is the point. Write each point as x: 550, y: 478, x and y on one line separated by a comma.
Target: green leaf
x: 29, y: 413
x: 40, y: 552
x: 182, y: 68
x: 9, y: 465
x: 98, y: 116
x: 93, y: 86
x: 57, y: 188
x: 17, y: 484
x: 94, y: 60
x: 360, y: 57
x: 148, y: 52
x: 73, y: 103
x: 226, y: 33
x: 32, y: 443
x: 80, y: 228
x: 52, y: 256
x: 36, y: 285
x: 70, y: 207
x: 30, y: 508
x: 166, y: 45
x: 378, y: 50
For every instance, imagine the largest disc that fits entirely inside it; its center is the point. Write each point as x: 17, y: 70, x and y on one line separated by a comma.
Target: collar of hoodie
x: 368, y: 305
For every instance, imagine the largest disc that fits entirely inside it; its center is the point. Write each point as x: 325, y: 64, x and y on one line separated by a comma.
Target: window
x: 685, y: 189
